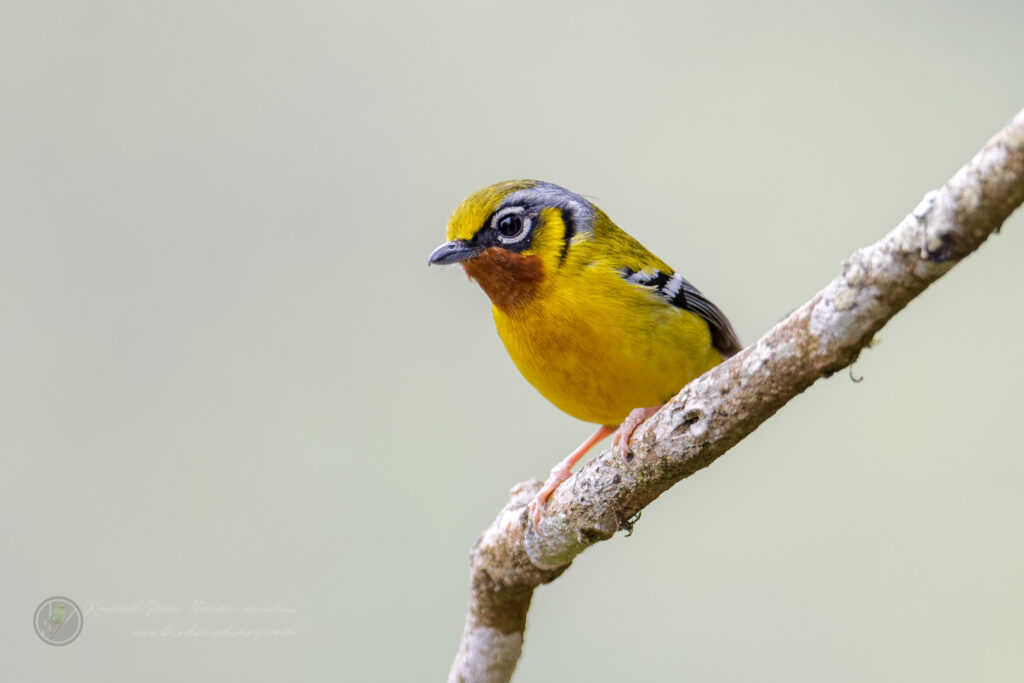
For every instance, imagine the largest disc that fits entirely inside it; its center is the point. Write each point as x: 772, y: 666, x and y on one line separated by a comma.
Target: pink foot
x: 559, y: 474
x: 629, y: 425
x: 562, y: 471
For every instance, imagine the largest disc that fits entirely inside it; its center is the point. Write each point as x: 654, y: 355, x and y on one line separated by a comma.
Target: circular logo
x: 58, y: 621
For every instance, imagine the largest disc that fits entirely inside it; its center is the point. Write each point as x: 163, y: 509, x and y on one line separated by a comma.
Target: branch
x: 717, y: 410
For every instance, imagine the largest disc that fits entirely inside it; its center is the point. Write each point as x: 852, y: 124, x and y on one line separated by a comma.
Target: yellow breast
x: 602, y: 347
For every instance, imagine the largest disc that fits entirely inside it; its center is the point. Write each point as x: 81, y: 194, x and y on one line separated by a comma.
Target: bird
x: 58, y: 615
x: 600, y: 326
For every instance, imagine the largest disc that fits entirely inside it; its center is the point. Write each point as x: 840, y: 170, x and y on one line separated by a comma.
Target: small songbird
x: 58, y: 615
x: 600, y: 326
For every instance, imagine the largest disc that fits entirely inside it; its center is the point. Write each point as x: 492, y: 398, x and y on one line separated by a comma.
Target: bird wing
x: 680, y: 293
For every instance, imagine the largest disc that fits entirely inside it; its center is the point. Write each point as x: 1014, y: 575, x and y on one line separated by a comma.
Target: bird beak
x: 453, y: 252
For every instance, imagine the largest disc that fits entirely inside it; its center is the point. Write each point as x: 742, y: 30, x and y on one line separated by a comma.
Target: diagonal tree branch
x: 717, y: 410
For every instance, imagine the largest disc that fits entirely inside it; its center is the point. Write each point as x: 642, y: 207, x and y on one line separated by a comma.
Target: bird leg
x: 562, y: 470
x: 632, y: 421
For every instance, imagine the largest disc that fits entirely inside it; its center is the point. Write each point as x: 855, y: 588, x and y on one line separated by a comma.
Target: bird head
x: 511, y: 237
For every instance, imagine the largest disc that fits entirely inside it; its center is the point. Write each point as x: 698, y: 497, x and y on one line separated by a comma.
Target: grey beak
x: 453, y: 252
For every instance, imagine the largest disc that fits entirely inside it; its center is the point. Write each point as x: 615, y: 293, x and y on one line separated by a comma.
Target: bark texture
x: 715, y: 411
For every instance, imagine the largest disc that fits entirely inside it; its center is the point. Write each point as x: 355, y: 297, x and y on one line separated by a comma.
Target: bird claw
x: 620, y: 446
x: 636, y: 417
x: 535, y: 507
x: 560, y: 473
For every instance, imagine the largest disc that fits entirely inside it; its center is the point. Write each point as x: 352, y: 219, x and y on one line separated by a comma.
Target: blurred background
x: 249, y: 432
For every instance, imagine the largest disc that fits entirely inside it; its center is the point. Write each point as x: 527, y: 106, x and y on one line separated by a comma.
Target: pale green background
x: 228, y: 375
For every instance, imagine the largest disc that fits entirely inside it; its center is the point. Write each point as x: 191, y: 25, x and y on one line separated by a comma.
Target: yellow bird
x: 600, y: 326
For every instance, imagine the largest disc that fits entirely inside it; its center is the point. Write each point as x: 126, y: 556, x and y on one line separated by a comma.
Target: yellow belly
x: 598, y: 359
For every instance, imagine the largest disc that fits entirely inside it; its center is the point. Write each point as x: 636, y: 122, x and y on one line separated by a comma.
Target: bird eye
x: 511, y: 225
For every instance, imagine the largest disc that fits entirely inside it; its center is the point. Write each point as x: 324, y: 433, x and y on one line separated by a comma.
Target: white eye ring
x: 524, y: 224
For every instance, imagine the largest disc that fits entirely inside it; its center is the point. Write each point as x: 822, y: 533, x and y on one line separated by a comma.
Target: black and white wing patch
x: 682, y: 294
